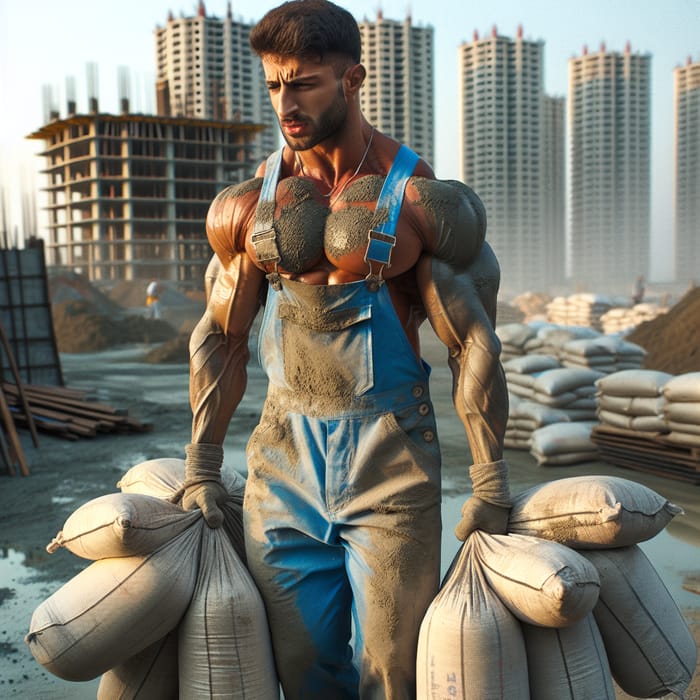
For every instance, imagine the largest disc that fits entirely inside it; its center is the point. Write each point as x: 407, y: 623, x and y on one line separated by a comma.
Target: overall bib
x: 342, y: 502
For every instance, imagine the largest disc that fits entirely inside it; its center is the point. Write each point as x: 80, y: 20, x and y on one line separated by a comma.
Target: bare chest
x: 303, y: 232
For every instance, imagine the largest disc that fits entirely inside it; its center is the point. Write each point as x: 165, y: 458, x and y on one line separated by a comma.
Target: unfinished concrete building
x: 128, y: 194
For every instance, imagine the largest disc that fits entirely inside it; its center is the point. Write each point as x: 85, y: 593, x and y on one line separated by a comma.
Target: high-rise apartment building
x: 207, y: 70
x: 397, y: 96
x: 609, y: 173
x: 686, y: 83
x: 509, y: 152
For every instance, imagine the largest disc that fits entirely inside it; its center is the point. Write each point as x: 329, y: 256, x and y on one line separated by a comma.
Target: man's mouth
x: 293, y: 128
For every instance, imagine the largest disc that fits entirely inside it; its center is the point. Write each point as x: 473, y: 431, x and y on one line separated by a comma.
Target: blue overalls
x: 342, y: 503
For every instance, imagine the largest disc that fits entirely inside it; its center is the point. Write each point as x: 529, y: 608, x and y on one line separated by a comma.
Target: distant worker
x: 638, y: 290
x: 153, y: 299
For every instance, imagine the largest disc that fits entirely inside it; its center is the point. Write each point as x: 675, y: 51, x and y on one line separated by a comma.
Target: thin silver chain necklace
x: 329, y: 195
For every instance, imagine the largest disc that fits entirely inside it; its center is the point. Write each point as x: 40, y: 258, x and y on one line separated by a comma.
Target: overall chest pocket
x: 327, y: 353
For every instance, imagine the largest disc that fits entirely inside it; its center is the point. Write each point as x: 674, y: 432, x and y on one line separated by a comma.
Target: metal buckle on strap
x: 265, y: 244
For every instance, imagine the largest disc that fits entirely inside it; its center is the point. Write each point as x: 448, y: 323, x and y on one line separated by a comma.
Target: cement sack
x: 470, y: 647
x: 530, y: 364
x: 541, y: 582
x: 114, y: 609
x: 683, y: 411
x: 682, y: 439
x: 591, y: 512
x: 634, y: 382
x: 648, y: 643
x: 684, y: 387
x: 149, y: 675
x: 565, y: 458
x: 121, y: 525
x: 224, y: 644
x: 683, y: 427
x: 568, y: 663
x: 554, y: 382
x: 642, y: 424
x: 165, y: 477
x: 634, y: 405
x: 563, y: 438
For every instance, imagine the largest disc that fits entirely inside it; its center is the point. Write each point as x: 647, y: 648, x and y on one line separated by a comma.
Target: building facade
x: 127, y: 195
x: 508, y: 148
x: 686, y: 89
x: 609, y: 173
x: 398, y: 93
x: 205, y: 69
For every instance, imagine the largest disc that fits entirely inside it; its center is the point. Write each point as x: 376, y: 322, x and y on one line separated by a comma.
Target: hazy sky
x: 45, y: 41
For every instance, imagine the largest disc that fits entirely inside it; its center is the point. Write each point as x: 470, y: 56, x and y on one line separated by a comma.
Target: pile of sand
x: 672, y: 340
x: 80, y: 326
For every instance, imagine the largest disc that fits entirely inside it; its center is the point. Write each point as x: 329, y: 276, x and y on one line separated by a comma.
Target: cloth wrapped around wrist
x: 489, y: 508
x: 203, y: 487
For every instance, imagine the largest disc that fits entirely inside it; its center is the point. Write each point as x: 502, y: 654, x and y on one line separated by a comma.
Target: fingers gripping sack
x: 489, y: 506
x: 203, y: 487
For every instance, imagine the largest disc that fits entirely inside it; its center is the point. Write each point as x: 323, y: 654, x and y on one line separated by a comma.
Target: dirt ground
x: 64, y: 475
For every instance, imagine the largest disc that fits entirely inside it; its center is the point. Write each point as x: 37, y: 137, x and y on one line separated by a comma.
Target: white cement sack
x: 515, y: 334
x: 470, y: 647
x: 530, y: 364
x: 568, y: 663
x: 683, y: 411
x: 645, y: 424
x: 513, y: 443
x: 563, y: 438
x: 554, y: 401
x: 224, y: 644
x: 523, y: 380
x: 536, y: 414
x: 558, y: 381
x: 692, y: 429
x: 648, y: 643
x: 682, y: 439
x: 565, y: 458
x: 114, y: 609
x: 591, y: 512
x: 541, y: 582
x: 634, y: 405
x: 634, y: 382
x: 149, y: 675
x: 121, y: 525
x: 165, y: 476
x: 684, y: 387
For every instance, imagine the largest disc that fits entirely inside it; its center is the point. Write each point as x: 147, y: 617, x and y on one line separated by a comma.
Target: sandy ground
x: 65, y: 475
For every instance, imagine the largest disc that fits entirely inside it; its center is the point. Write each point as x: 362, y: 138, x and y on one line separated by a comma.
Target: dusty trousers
x: 342, y: 503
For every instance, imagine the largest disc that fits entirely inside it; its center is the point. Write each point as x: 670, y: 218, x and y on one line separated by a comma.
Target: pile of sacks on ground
x: 167, y: 608
x: 580, y: 309
x: 652, y: 403
x: 551, y: 373
x: 622, y: 319
x: 562, y: 605
x: 566, y: 601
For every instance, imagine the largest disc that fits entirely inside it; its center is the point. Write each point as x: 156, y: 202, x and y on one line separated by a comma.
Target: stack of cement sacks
x: 167, y: 608
x: 561, y: 605
x: 682, y: 409
x: 579, y: 310
x: 633, y: 400
x: 603, y: 353
x: 513, y: 337
x: 622, y: 319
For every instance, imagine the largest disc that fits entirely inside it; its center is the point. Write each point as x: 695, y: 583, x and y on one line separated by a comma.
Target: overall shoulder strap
x: 382, y: 235
x: 264, y: 236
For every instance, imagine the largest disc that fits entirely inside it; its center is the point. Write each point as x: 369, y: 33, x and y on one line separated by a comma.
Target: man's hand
x: 206, y: 495
x: 489, y: 508
x: 203, y: 487
x: 480, y: 515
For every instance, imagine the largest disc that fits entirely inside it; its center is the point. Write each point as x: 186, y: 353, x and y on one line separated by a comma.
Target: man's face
x: 307, y: 97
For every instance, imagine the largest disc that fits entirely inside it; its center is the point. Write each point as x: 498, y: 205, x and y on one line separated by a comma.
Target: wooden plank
x: 13, y: 437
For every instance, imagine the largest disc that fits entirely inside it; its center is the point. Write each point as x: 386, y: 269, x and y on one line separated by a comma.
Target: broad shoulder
x: 231, y: 213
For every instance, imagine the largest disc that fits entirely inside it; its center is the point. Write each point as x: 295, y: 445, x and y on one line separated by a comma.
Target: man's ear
x: 354, y: 77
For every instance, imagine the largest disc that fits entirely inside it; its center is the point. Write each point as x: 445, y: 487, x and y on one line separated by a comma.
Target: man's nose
x: 286, y: 102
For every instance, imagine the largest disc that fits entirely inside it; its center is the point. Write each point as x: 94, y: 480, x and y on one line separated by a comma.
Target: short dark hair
x: 307, y: 28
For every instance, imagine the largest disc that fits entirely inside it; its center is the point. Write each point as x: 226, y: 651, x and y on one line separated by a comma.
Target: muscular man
x: 350, y: 242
